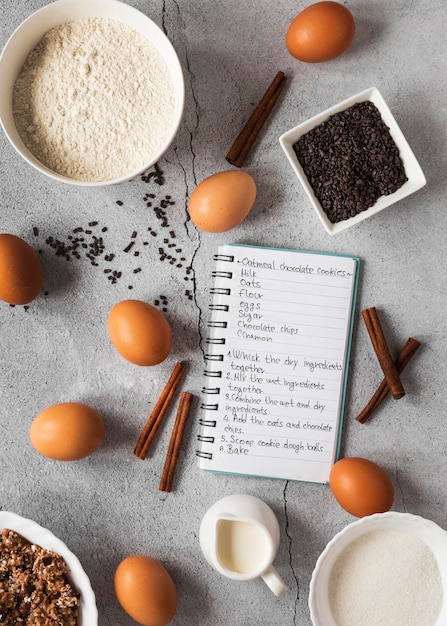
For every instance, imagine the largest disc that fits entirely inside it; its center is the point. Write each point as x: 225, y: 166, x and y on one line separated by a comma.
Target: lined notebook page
x: 277, y: 356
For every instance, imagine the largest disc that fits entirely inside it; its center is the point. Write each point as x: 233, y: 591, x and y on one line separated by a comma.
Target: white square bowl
x: 416, y: 179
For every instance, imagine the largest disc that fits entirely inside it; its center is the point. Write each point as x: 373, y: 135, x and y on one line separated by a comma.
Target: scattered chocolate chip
x: 87, y: 242
x: 129, y: 246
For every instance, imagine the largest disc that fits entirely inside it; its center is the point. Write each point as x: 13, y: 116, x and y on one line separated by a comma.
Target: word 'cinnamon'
x: 372, y: 322
x: 401, y: 362
x: 157, y: 414
x: 175, y: 442
x: 243, y: 142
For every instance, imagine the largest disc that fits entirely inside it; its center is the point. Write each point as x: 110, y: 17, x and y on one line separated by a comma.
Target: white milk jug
x: 239, y: 537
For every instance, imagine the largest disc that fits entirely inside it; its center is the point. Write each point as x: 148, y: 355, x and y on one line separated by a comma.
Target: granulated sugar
x: 386, y: 578
x: 94, y: 100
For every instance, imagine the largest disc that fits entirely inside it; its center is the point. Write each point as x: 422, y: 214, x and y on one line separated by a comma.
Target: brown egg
x: 222, y: 201
x: 139, y: 332
x: 145, y: 590
x: 322, y: 31
x: 20, y: 271
x: 67, y: 432
x: 361, y: 487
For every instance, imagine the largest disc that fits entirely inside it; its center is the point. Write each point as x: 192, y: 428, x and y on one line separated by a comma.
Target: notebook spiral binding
x: 220, y: 291
x: 204, y: 455
x: 214, y: 341
x: 205, y: 439
x: 212, y: 374
x: 217, y: 324
x: 210, y: 423
x: 211, y: 390
x: 214, y: 357
x: 209, y: 407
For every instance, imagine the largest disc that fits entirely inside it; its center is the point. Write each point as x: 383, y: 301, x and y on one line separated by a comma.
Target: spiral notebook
x: 277, y: 356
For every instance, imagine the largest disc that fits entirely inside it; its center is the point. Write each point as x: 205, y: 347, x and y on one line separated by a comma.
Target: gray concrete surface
x: 108, y: 505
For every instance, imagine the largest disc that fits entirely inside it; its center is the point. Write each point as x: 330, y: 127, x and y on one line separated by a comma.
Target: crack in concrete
x: 401, y: 491
x: 192, y: 233
x: 290, y: 551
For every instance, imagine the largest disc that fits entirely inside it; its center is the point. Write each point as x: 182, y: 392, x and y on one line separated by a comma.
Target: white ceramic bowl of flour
x: 387, y: 568
x: 152, y: 136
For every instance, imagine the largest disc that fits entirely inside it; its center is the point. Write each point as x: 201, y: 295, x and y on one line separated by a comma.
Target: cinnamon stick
x: 155, y: 418
x: 243, y: 142
x: 383, y: 353
x: 175, y: 442
x: 401, y: 362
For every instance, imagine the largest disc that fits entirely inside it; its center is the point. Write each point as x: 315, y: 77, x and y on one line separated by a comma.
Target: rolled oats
x: 34, y: 585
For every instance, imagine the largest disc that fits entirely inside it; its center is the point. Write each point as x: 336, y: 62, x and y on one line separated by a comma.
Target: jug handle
x: 274, y: 581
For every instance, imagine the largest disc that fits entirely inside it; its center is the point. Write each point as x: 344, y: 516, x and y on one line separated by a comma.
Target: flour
x: 94, y: 100
x: 386, y: 578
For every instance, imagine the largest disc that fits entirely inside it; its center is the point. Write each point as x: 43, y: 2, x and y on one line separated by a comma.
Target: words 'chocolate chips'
x: 350, y: 161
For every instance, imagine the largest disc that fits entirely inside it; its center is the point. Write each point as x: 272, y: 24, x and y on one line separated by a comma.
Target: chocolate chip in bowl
x: 41, y: 580
x: 352, y: 160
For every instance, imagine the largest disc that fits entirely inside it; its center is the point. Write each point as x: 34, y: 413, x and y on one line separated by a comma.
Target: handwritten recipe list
x: 277, y: 358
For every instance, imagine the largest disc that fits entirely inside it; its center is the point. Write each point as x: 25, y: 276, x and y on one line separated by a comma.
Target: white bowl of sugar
x: 387, y: 568
x: 92, y: 91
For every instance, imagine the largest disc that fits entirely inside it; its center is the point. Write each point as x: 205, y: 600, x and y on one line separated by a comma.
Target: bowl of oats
x: 42, y: 581
x: 92, y: 91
